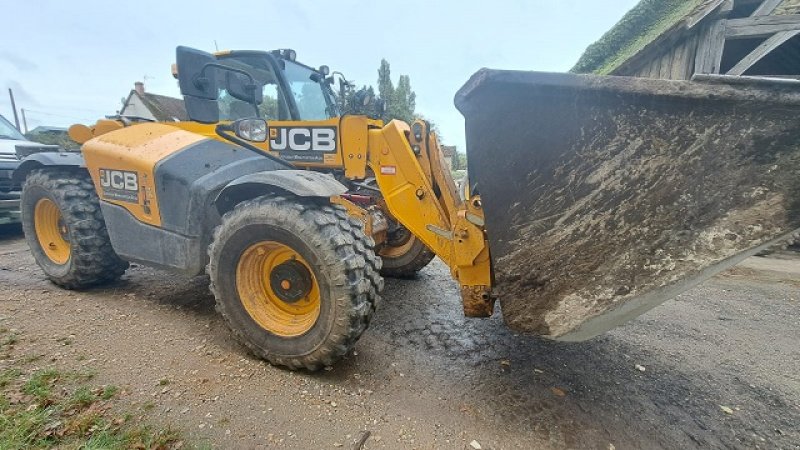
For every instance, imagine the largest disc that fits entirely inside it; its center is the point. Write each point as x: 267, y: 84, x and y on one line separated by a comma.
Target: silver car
x: 12, y: 144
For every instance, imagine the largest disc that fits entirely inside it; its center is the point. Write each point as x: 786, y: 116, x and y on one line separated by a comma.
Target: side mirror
x: 192, y: 79
x: 241, y: 88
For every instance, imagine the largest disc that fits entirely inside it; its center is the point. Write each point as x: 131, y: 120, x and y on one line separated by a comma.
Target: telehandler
x: 585, y: 194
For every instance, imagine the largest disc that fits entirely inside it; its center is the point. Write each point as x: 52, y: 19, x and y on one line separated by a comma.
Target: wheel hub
x: 291, y: 281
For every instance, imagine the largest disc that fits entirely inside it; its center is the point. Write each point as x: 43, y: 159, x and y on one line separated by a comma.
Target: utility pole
x: 24, y: 120
x: 14, y: 107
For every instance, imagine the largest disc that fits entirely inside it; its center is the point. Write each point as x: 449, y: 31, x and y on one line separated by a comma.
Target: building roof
x: 639, y: 27
x: 647, y: 22
x: 164, y: 108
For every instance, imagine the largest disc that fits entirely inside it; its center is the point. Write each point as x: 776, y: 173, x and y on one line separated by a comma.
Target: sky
x: 73, y: 62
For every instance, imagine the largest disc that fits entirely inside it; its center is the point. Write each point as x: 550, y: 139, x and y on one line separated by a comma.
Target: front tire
x: 65, y: 229
x: 296, y: 280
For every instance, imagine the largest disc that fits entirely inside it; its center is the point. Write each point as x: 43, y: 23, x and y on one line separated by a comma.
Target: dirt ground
x: 718, y: 367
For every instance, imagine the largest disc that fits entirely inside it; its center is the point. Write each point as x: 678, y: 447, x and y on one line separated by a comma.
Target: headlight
x: 251, y: 129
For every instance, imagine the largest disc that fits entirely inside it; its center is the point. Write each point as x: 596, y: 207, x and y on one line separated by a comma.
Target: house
x: 153, y: 106
x: 676, y: 39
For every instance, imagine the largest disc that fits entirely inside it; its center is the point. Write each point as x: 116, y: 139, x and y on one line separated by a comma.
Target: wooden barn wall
x: 676, y: 62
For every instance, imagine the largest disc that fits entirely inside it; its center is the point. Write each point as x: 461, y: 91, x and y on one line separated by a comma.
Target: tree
x: 400, y: 102
x: 403, y: 101
x: 460, y: 161
x: 385, y: 85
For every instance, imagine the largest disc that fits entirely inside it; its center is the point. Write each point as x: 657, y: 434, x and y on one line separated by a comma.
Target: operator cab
x: 234, y: 85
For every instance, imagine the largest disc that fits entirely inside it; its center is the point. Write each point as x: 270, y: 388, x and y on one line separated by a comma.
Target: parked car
x: 12, y: 145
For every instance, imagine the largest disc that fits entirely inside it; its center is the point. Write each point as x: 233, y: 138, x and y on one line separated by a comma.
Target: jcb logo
x: 303, y: 139
x: 120, y: 185
x: 119, y: 179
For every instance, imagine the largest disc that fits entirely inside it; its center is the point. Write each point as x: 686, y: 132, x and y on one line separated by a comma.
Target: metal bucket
x: 605, y: 196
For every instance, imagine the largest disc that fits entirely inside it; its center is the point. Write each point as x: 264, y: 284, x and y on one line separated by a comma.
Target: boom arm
x: 420, y: 193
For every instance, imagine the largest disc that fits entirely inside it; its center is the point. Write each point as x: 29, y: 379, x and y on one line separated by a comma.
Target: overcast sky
x: 71, y: 62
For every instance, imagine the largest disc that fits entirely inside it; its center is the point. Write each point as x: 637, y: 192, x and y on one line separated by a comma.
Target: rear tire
x: 338, y: 268
x: 406, y: 258
x: 65, y: 229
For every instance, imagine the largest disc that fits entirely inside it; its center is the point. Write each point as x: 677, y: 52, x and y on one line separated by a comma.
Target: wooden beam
x: 761, y: 26
x: 691, y: 52
x: 727, y: 5
x: 666, y: 65
x: 710, y: 47
x: 766, y: 8
x: 761, y: 51
x: 655, y: 67
x: 678, y: 66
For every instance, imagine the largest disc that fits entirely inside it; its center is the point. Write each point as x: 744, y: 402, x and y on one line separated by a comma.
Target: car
x: 13, y: 146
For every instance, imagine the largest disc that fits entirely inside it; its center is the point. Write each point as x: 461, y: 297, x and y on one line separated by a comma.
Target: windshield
x: 273, y: 105
x: 7, y: 131
x: 310, y: 92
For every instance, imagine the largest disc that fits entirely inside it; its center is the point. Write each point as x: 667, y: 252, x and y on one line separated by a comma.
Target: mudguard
x: 302, y: 183
x: 36, y: 160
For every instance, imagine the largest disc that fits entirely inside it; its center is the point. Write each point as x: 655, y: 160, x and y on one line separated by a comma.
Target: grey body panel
x: 138, y: 242
x: 188, y: 182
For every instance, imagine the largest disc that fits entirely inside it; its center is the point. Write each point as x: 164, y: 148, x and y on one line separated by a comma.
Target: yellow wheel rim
x: 396, y: 251
x: 51, y: 231
x: 278, y: 289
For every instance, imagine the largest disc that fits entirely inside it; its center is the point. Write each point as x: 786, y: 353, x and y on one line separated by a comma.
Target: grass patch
x: 108, y: 392
x: 9, y: 375
x: 39, y: 385
x: 50, y: 408
x: 54, y: 409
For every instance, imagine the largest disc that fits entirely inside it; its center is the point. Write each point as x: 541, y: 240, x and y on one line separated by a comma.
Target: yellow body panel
x: 135, y: 149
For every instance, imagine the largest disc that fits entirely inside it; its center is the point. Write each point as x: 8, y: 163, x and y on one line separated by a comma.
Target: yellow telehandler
x: 598, y: 198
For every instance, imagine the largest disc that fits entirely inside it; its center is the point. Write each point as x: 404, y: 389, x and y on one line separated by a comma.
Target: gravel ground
x: 718, y: 367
